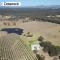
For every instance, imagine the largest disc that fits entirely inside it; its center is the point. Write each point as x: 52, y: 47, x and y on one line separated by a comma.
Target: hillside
x: 13, y: 48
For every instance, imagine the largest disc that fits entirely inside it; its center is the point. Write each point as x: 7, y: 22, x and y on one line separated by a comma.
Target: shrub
x: 59, y: 30
x: 51, y: 49
x: 5, y: 23
x: 14, y: 23
x: 29, y: 34
x: 59, y: 57
x: 40, y: 57
x: 8, y: 24
x: 55, y: 58
x: 40, y: 38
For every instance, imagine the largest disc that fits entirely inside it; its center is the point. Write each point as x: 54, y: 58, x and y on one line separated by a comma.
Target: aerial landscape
x: 30, y: 33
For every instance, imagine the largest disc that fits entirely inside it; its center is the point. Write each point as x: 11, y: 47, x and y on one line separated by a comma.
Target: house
x: 35, y: 46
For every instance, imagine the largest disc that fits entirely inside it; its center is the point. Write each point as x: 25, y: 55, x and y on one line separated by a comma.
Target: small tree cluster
x: 28, y: 34
x: 40, y: 57
x: 51, y: 49
x: 40, y: 38
x: 5, y: 23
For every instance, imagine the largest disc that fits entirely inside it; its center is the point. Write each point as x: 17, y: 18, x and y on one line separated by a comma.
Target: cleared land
x: 50, y: 31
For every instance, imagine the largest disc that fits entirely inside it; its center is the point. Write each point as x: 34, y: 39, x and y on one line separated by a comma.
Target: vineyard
x: 13, y: 48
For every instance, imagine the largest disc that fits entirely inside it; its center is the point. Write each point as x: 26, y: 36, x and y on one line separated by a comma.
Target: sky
x: 34, y: 2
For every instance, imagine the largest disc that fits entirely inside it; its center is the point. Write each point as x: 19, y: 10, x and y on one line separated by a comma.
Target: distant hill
x: 48, y: 7
x: 31, y: 11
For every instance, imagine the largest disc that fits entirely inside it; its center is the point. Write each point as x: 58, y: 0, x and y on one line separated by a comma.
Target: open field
x: 50, y: 31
